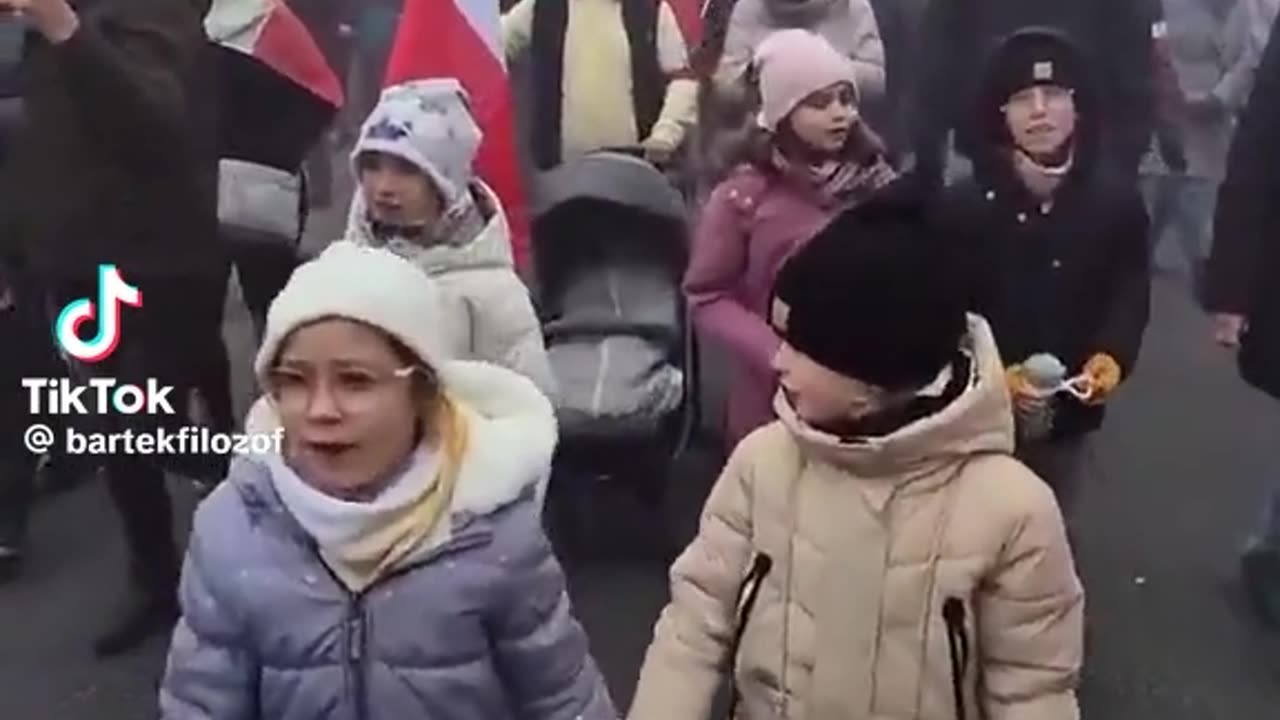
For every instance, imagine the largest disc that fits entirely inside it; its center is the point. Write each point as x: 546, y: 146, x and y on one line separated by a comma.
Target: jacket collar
x: 1000, y: 185
x: 979, y: 420
x: 490, y: 248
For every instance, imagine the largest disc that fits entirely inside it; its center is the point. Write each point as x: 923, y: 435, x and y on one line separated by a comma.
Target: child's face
x: 820, y: 395
x: 397, y: 192
x: 1041, y: 118
x: 346, y: 404
x: 823, y: 120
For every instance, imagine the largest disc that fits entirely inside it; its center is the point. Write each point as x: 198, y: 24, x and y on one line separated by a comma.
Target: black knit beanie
x: 875, y: 296
x: 1033, y: 56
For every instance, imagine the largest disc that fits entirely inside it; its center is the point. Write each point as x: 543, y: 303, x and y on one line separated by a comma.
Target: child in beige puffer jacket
x: 877, y: 553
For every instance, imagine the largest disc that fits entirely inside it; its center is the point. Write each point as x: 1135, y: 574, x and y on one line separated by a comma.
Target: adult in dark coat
x: 1241, y: 289
x: 1056, y: 249
x: 20, y: 357
x: 117, y: 164
x: 900, y: 23
x: 1114, y: 35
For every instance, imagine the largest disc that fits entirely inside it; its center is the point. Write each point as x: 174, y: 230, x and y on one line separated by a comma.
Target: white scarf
x: 335, y: 523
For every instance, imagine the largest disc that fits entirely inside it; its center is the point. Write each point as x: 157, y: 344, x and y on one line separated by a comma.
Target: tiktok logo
x: 113, y: 292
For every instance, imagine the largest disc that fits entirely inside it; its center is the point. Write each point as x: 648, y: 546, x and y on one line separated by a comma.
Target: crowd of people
x: 924, y: 234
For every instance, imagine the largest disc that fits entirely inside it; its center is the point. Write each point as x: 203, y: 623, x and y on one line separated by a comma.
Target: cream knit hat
x: 368, y: 285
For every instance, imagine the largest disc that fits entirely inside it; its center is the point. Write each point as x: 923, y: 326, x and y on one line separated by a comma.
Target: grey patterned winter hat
x: 427, y: 123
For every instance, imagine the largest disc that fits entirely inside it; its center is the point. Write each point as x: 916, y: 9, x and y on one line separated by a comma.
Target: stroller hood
x: 612, y: 178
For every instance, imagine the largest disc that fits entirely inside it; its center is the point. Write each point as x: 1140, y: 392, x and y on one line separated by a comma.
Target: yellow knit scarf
x: 359, y: 565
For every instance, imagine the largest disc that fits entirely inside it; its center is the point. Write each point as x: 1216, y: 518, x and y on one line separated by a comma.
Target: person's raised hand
x: 1228, y: 328
x: 659, y: 150
x: 1205, y: 106
x: 1025, y: 396
x: 56, y: 20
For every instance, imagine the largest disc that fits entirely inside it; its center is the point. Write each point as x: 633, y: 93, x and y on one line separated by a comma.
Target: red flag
x: 689, y: 15
x: 462, y: 39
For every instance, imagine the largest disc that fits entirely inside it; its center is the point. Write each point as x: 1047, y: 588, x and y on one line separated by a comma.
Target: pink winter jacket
x: 749, y: 226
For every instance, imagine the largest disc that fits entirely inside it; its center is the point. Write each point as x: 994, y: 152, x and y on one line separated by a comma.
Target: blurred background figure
x: 731, y: 95
x: 17, y: 466
x: 332, y: 26
x: 1115, y: 36
x: 119, y: 166
x: 1058, y: 248
x: 899, y: 22
x: 1243, y: 296
x: 604, y: 74
x: 849, y: 25
x: 375, y: 23
x: 1244, y: 39
x: 810, y: 156
x: 280, y: 95
x: 1181, y: 199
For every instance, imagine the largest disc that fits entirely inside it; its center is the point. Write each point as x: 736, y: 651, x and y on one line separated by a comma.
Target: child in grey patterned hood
x: 418, y: 196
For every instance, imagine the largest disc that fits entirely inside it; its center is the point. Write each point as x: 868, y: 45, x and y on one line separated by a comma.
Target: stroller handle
x: 638, y: 152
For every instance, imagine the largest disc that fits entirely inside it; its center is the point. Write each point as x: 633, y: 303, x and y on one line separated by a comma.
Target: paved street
x: 1176, y: 480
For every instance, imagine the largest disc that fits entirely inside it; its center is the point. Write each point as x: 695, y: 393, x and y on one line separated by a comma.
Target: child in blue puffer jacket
x: 385, y: 559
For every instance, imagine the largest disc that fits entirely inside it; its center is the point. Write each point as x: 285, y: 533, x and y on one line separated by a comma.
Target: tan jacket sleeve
x: 686, y: 662
x: 680, y: 107
x: 517, y: 28
x: 1031, y: 621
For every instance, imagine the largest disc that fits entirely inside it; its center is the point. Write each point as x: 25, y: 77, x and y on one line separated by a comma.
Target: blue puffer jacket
x: 477, y: 626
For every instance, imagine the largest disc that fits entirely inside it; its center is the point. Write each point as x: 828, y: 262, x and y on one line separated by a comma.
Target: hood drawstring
x: 958, y: 643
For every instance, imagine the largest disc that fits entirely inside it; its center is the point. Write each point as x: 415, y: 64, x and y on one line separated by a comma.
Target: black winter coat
x: 117, y: 160
x: 959, y: 35
x: 1245, y: 264
x: 1072, y: 280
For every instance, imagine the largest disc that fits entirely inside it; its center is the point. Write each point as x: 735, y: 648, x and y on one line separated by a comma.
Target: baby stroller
x: 610, y: 248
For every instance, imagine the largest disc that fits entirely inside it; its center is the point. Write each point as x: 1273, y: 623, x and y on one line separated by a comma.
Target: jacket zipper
x: 355, y: 626
x: 355, y: 641
x: 747, y: 595
x: 958, y: 644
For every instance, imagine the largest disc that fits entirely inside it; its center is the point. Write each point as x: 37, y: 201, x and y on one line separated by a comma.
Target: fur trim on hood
x: 513, y: 435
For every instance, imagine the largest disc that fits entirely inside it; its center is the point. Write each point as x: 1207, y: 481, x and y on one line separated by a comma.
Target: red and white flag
x: 463, y: 39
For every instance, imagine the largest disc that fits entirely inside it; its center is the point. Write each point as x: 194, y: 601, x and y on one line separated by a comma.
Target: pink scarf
x: 838, y: 181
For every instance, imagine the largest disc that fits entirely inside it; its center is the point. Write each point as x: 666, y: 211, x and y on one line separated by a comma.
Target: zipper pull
x: 355, y: 637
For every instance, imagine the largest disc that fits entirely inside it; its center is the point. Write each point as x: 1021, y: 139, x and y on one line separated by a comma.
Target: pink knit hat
x: 792, y: 65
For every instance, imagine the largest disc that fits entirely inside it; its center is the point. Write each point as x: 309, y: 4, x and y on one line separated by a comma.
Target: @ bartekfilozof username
x: 40, y: 438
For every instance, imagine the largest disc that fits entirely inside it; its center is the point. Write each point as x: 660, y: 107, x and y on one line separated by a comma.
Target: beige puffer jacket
x: 867, y: 542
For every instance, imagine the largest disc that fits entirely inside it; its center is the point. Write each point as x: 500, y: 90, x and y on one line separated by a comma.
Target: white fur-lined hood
x: 513, y: 435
